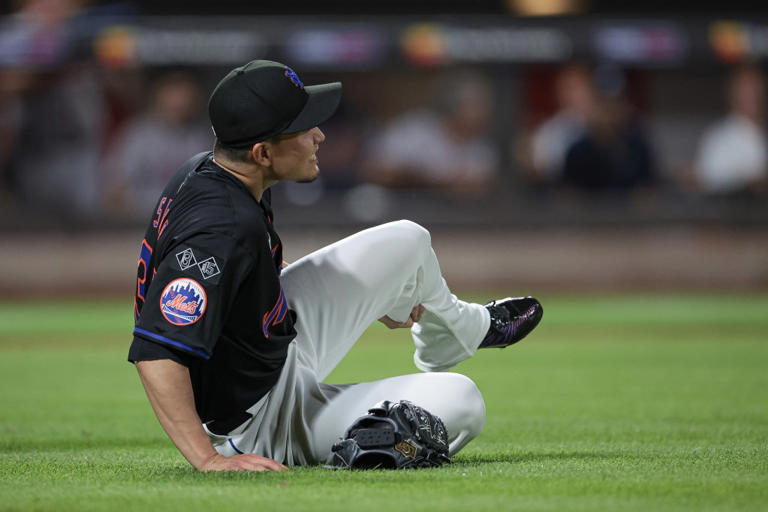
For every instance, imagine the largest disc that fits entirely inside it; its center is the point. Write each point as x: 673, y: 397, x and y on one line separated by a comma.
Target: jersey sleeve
x: 191, y: 294
x: 143, y: 350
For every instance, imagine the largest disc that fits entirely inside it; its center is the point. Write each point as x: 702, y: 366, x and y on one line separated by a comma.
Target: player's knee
x: 414, y: 234
x: 469, y: 403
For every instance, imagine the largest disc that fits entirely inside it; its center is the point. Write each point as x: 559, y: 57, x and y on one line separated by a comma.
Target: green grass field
x: 613, y: 403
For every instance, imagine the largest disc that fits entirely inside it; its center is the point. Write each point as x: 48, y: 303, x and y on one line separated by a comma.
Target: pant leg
x: 301, y: 418
x: 340, y: 290
x: 451, y: 396
x: 337, y: 292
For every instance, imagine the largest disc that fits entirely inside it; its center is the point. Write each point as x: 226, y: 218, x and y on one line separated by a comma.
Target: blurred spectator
x: 575, y: 95
x: 60, y: 141
x: 614, y: 153
x: 149, y: 149
x: 448, y: 147
x: 125, y: 95
x: 39, y: 34
x: 12, y: 84
x: 732, y: 156
x: 58, y: 110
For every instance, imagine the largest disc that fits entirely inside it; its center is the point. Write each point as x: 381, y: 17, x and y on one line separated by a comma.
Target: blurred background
x: 547, y: 144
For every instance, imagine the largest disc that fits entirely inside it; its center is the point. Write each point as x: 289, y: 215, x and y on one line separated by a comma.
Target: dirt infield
x: 691, y: 258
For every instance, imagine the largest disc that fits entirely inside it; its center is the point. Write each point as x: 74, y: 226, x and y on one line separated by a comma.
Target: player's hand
x: 415, y: 317
x: 243, y: 462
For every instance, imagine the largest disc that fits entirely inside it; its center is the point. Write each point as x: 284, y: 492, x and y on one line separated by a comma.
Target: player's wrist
x: 208, y: 462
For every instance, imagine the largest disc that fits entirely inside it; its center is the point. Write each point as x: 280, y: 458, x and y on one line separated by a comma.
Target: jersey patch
x: 209, y: 268
x: 186, y: 259
x: 183, y: 301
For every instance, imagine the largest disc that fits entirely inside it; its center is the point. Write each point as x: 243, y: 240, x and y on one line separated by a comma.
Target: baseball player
x: 232, y: 345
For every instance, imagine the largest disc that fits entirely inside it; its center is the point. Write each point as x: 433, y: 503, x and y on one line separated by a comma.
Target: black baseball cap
x: 264, y: 98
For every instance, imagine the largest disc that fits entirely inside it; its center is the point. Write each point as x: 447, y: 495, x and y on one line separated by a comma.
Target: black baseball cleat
x: 511, y: 320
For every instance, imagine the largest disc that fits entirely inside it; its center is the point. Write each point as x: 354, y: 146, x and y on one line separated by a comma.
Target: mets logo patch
x: 183, y: 301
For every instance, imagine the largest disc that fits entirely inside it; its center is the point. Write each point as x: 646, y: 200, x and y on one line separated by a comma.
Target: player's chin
x: 311, y: 176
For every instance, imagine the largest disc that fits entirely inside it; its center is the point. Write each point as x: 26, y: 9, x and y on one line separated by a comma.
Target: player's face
x: 294, y: 156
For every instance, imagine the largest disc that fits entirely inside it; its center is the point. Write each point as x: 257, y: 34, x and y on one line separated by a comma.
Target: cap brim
x: 321, y: 104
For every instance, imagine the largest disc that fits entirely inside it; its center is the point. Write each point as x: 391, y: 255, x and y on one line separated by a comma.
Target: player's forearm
x: 169, y: 391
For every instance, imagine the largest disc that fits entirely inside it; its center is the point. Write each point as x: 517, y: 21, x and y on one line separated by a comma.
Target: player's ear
x: 262, y: 154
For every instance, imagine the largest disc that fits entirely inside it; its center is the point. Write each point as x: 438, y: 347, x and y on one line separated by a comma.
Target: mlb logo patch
x: 183, y: 301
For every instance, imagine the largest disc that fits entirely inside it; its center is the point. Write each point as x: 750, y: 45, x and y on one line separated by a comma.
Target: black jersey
x: 208, y: 292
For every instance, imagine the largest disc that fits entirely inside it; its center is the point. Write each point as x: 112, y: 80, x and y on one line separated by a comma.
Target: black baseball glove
x: 396, y: 435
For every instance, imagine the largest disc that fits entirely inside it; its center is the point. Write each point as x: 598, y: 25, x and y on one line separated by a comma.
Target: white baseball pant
x: 337, y: 293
